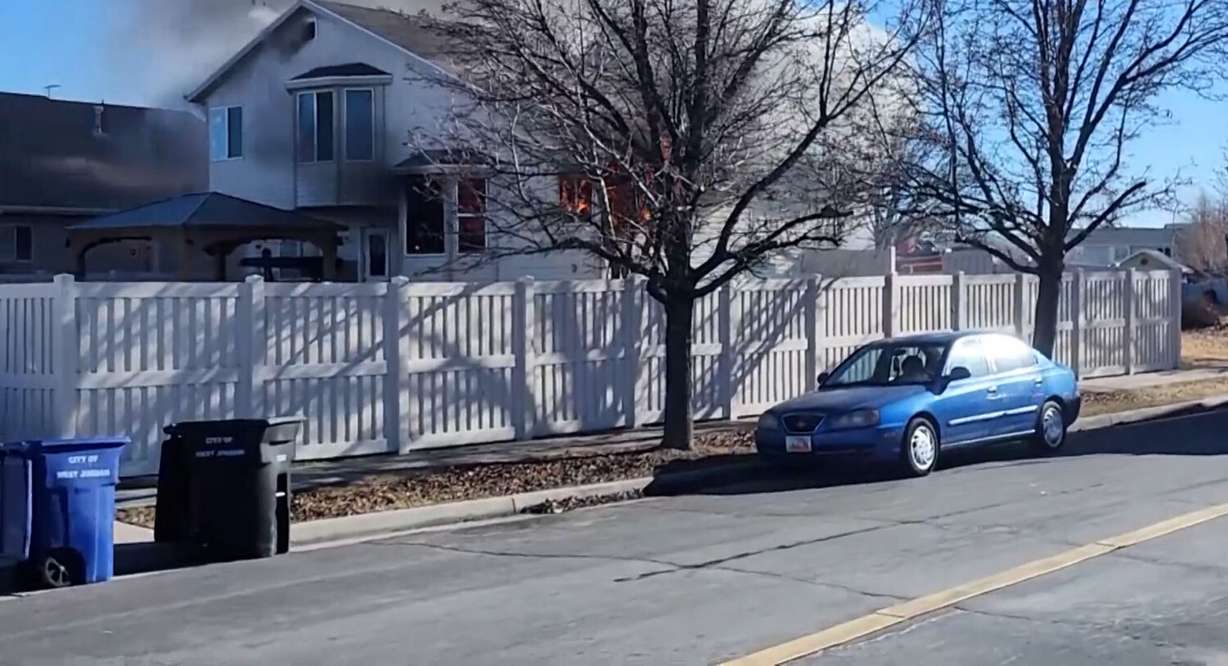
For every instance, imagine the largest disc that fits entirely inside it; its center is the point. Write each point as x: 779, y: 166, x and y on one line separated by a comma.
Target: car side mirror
x: 958, y: 373
x: 822, y: 378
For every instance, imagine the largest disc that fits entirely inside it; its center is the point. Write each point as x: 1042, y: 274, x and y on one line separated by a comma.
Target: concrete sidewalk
x: 1150, y: 379
x: 312, y: 474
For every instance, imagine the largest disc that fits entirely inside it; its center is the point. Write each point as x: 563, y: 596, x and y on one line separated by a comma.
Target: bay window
x: 315, y: 126
x: 359, y: 125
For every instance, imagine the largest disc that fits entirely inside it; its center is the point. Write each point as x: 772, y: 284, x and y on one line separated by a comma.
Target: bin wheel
x: 60, y: 568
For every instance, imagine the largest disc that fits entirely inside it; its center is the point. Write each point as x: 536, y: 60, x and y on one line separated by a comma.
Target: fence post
x: 726, y: 383
x: 396, y: 357
x: 66, y: 348
x: 524, y: 400
x: 250, y: 290
x: 1020, y: 305
x: 1077, y: 291
x: 959, y: 309
x: 891, y: 303
x: 633, y: 346
x: 1176, y: 300
x: 813, y: 284
x: 1131, y: 319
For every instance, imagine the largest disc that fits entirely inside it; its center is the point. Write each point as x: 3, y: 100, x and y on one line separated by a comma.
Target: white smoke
x: 156, y: 51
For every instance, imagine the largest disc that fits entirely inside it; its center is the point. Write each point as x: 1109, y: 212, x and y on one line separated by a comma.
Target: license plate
x: 797, y: 444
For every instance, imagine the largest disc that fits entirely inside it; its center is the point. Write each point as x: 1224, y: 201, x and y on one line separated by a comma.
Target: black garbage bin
x: 224, y: 486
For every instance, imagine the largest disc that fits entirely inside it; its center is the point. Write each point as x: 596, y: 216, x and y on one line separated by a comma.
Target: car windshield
x: 890, y: 364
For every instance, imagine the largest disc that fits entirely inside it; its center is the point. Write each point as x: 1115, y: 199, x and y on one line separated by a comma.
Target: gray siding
x: 268, y: 172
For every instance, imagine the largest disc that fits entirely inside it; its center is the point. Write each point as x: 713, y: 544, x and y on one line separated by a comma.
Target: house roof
x: 433, y: 157
x: 410, y: 33
x: 1153, y: 260
x: 1157, y: 236
x: 81, y: 156
x: 351, y: 69
x: 204, y: 210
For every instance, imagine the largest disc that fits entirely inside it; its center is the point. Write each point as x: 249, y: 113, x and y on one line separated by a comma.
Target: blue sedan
x: 908, y: 399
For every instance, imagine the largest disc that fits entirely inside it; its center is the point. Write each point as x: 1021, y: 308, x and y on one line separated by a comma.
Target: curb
x: 379, y: 522
x: 373, y: 524
x: 1188, y: 408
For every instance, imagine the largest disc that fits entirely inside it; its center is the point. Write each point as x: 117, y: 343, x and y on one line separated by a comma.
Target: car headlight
x: 769, y: 421
x: 862, y: 418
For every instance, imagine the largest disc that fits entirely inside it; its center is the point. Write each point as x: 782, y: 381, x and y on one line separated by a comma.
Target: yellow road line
x: 885, y: 618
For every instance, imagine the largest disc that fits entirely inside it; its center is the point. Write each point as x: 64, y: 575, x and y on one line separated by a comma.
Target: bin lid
x: 69, y: 443
x: 182, y: 427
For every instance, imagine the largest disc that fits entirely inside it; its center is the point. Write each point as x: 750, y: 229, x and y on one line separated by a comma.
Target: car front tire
x: 920, y: 447
x: 1050, y: 428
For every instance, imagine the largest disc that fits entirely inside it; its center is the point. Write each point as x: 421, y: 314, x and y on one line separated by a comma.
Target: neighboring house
x: 315, y: 115
x: 1108, y: 245
x: 1153, y: 260
x: 62, y: 162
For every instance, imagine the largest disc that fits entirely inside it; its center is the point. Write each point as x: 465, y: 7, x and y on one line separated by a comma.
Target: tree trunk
x: 1044, y: 332
x: 679, y: 311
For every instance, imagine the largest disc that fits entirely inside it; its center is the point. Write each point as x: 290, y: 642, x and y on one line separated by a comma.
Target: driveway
x: 709, y: 577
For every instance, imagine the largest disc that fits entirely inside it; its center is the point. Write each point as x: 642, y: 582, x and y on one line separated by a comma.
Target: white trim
x: 339, y: 81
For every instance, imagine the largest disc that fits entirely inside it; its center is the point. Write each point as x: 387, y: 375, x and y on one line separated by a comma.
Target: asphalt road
x: 702, y: 578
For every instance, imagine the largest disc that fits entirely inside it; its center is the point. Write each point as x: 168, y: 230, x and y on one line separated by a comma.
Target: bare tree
x: 1202, y: 243
x: 1034, y: 104
x: 684, y: 141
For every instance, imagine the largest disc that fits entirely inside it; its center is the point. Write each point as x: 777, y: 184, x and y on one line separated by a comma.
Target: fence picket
x: 398, y: 366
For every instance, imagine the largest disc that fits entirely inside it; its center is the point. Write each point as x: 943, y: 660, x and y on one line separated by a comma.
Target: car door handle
x: 1038, y: 381
x: 992, y: 389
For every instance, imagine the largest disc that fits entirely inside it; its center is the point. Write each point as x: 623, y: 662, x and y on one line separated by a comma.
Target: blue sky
x: 102, y: 50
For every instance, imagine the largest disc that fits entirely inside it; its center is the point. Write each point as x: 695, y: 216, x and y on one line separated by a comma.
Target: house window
x: 424, y: 218
x: 16, y: 243
x: 359, y: 125
x: 576, y: 195
x: 315, y: 127
x: 225, y: 133
x: 471, y: 215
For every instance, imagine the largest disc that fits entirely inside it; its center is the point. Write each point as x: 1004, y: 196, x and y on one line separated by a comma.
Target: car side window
x: 1010, y: 354
x: 968, y: 353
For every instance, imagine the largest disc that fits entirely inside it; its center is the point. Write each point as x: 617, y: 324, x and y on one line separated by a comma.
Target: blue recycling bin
x: 59, y: 507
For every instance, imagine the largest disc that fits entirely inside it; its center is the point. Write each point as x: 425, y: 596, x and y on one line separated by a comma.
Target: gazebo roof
x: 207, y: 210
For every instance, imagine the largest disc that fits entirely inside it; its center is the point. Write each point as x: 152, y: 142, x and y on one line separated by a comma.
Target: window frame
x: 14, y: 229
x: 229, y: 149
x: 345, y: 95
x: 443, y: 217
x: 315, y: 120
x: 482, y: 215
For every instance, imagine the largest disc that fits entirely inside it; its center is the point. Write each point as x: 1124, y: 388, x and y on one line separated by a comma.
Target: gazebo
x: 210, y: 222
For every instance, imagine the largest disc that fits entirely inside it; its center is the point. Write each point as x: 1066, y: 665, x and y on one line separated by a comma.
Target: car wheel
x: 920, y: 448
x: 60, y: 568
x: 1050, y: 428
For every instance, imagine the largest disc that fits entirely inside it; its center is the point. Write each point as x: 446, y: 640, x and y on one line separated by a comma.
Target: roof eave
x: 332, y: 81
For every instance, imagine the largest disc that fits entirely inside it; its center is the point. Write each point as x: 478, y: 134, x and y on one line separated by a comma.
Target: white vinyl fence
x: 385, y: 368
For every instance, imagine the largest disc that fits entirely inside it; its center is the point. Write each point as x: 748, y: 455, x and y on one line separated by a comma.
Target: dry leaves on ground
x: 1119, y: 401
x: 384, y: 492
